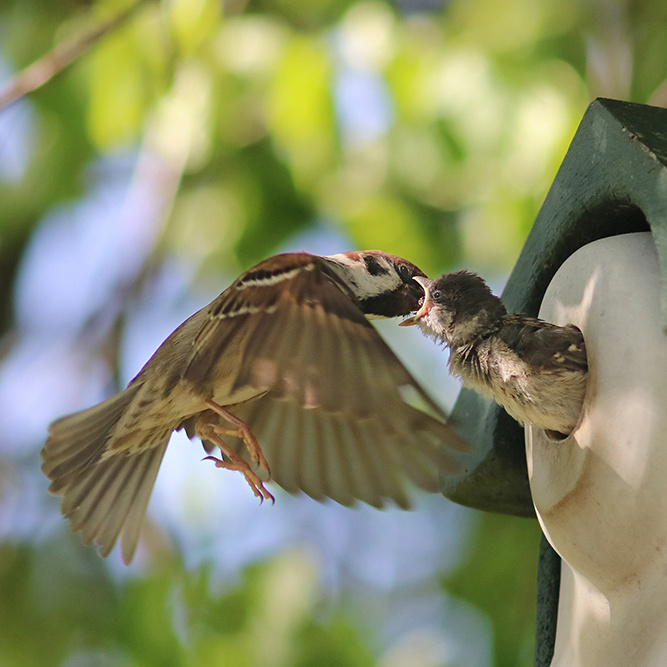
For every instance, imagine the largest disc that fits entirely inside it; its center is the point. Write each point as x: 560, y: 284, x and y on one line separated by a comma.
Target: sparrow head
x: 383, y: 285
x: 456, y: 308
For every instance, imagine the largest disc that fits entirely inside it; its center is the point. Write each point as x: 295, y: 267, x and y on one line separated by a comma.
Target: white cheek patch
x: 366, y: 285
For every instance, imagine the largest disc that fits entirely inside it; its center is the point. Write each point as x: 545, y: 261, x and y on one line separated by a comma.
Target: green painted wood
x: 548, y: 590
x: 613, y: 180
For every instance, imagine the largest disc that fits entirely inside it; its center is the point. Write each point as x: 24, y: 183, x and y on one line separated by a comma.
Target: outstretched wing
x: 341, y: 456
x: 333, y: 422
x: 301, y: 336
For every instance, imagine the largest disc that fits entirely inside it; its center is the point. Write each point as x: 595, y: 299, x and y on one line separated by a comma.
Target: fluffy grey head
x: 457, y: 308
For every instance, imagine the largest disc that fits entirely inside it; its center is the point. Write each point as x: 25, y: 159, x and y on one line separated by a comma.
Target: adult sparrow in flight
x: 536, y: 370
x: 283, y: 373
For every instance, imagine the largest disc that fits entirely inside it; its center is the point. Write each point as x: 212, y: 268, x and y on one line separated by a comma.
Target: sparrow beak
x: 426, y: 305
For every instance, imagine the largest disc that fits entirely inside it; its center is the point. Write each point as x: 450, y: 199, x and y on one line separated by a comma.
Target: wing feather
x: 333, y: 455
x: 288, y: 459
x: 545, y: 345
x: 335, y: 462
x: 333, y: 422
x: 309, y: 477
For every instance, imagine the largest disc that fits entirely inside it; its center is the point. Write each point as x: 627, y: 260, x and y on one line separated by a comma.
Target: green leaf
x: 300, y: 113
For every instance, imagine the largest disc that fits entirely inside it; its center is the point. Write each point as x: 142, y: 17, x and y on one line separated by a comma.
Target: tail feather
x: 103, y: 497
x: 78, y: 439
x: 115, y: 501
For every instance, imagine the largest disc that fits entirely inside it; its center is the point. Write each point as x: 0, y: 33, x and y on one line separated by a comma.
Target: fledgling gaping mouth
x: 425, y: 304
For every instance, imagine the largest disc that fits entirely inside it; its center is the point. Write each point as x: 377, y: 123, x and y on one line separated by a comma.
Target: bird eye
x: 405, y: 273
x: 436, y: 295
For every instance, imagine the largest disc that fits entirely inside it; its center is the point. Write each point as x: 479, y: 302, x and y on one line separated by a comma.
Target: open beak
x: 411, y: 321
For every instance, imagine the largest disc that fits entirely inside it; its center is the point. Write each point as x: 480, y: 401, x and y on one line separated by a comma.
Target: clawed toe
x: 231, y: 460
x: 254, y: 482
x: 240, y: 429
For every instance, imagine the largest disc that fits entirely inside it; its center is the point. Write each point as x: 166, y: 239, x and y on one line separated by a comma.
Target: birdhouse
x: 596, y: 257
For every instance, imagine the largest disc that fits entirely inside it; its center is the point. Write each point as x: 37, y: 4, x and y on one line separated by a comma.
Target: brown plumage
x: 285, y: 375
x: 536, y: 370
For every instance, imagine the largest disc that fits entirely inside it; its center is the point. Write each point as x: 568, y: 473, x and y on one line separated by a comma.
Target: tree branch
x: 63, y: 55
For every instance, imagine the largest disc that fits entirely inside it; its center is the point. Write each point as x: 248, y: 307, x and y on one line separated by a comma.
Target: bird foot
x: 254, y: 482
x: 241, y: 430
x: 230, y: 459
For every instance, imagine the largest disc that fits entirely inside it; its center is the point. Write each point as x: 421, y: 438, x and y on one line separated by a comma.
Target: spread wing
x: 347, y: 458
x: 333, y: 421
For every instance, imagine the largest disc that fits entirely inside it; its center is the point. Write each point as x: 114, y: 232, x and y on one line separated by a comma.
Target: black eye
x: 436, y: 295
x: 405, y: 273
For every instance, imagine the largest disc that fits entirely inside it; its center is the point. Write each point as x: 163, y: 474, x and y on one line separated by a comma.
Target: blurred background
x: 192, y: 141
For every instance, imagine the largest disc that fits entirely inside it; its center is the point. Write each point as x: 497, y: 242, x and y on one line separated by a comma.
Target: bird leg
x: 240, y: 430
x: 232, y: 461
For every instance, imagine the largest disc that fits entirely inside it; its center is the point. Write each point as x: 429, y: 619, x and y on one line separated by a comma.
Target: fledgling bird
x: 536, y: 370
x: 283, y: 369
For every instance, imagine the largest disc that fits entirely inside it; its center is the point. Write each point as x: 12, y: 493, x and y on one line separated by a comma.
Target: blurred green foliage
x: 431, y: 130
x: 168, y: 617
